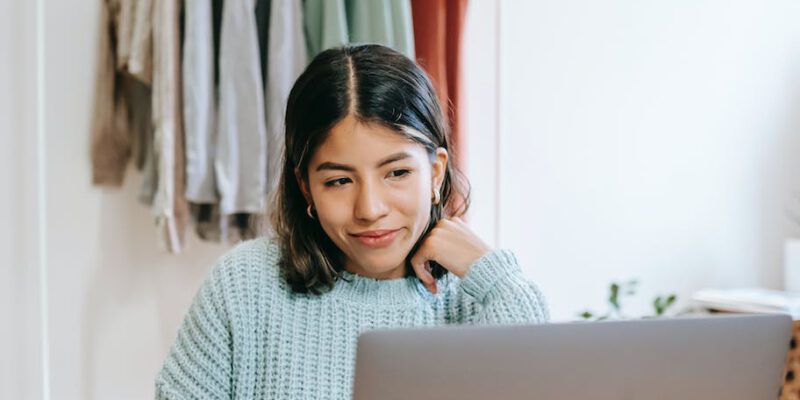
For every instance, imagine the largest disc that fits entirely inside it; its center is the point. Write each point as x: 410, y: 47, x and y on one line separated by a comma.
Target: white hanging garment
x: 241, y: 142
x: 286, y: 59
x: 199, y: 112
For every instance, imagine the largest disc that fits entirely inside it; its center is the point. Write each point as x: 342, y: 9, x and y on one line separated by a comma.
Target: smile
x: 377, y: 239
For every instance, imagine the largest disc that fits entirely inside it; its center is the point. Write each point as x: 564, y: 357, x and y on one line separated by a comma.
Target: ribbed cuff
x: 486, y: 273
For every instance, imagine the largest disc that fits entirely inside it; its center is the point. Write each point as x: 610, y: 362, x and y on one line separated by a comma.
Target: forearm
x: 497, y: 284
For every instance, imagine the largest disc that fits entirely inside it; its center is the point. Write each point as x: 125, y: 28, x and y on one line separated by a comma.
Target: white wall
x: 657, y: 140
x: 20, y: 340
x: 480, y: 58
x: 115, y: 299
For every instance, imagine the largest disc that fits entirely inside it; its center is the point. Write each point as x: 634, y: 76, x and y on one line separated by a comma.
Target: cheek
x: 332, y: 212
x: 415, y: 200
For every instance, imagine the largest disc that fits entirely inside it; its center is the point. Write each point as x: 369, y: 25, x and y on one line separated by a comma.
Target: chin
x: 380, y: 265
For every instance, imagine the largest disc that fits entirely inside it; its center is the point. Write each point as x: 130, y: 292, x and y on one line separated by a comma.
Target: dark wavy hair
x: 374, y: 84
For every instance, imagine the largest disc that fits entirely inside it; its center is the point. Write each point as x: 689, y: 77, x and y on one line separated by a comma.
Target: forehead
x: 354, y: 142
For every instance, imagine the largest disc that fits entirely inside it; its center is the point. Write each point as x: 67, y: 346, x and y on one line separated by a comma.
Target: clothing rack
x: 193, y: 94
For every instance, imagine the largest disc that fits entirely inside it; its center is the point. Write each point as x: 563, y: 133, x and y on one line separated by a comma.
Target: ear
x: 302, y: 184
x: 439, y: 168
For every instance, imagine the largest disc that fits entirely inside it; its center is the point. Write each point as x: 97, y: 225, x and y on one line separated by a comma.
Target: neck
x: 394, y: 273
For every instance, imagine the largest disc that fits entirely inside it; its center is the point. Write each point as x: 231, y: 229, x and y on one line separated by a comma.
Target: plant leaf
x: 671, y: 299
x: 613, y: 298
x: 658, y: 305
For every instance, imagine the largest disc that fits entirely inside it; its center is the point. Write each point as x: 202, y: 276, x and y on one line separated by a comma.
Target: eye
x: 399, y: 173
x: 336, y: 182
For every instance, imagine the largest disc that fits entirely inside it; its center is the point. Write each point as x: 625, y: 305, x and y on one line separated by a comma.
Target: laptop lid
x: 739, y: 357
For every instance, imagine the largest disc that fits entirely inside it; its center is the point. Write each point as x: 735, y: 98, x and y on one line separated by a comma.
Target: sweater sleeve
x: 199, y: 363
x: 497, y: 284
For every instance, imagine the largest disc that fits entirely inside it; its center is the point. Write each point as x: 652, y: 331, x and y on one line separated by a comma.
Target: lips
x: 377, y: 238
x: 375, y: 233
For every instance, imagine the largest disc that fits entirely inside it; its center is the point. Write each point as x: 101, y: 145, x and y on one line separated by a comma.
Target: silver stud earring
x: 308, y: 211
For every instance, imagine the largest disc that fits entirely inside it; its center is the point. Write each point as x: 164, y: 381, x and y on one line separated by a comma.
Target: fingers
x: 458, y: 222
x: 421, y: 265
x: 454, y: 222
x: 445, y: 231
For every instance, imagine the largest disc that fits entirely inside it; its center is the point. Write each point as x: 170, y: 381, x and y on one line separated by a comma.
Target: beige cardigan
x: 139, y: 44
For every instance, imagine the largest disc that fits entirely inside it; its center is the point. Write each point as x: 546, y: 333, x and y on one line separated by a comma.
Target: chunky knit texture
x: 248, y: 336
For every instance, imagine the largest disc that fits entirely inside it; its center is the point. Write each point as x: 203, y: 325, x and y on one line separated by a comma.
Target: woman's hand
x: 451, y: 244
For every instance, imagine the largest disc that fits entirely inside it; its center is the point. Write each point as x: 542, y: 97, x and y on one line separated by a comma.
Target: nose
x: 370, y: 204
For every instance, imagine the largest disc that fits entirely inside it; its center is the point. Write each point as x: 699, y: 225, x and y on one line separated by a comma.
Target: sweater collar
x: 388, y: 292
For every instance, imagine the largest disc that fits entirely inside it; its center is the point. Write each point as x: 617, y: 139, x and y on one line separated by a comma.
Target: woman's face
x: 365, y: 178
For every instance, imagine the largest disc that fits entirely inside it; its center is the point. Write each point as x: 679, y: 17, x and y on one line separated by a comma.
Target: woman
x: 366, y: 235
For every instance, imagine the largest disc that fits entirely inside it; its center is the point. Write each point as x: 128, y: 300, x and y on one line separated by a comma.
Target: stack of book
x: 749, y: 301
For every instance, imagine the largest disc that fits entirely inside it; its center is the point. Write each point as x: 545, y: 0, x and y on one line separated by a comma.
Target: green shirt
x: 332, y: 23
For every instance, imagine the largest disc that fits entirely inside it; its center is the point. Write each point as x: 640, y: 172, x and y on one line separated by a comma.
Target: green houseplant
x: 618, y: 291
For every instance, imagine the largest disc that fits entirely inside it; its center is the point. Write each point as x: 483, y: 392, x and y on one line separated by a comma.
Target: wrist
x: 488, y: 271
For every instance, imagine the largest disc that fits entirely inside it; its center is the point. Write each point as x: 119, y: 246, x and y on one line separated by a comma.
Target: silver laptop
x: 710, y: 358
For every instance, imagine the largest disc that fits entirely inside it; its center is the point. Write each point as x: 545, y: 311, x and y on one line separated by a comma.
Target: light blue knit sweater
x: 248, y: 336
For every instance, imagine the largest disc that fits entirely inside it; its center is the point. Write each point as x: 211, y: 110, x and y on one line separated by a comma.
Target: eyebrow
x: 342, y: 167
